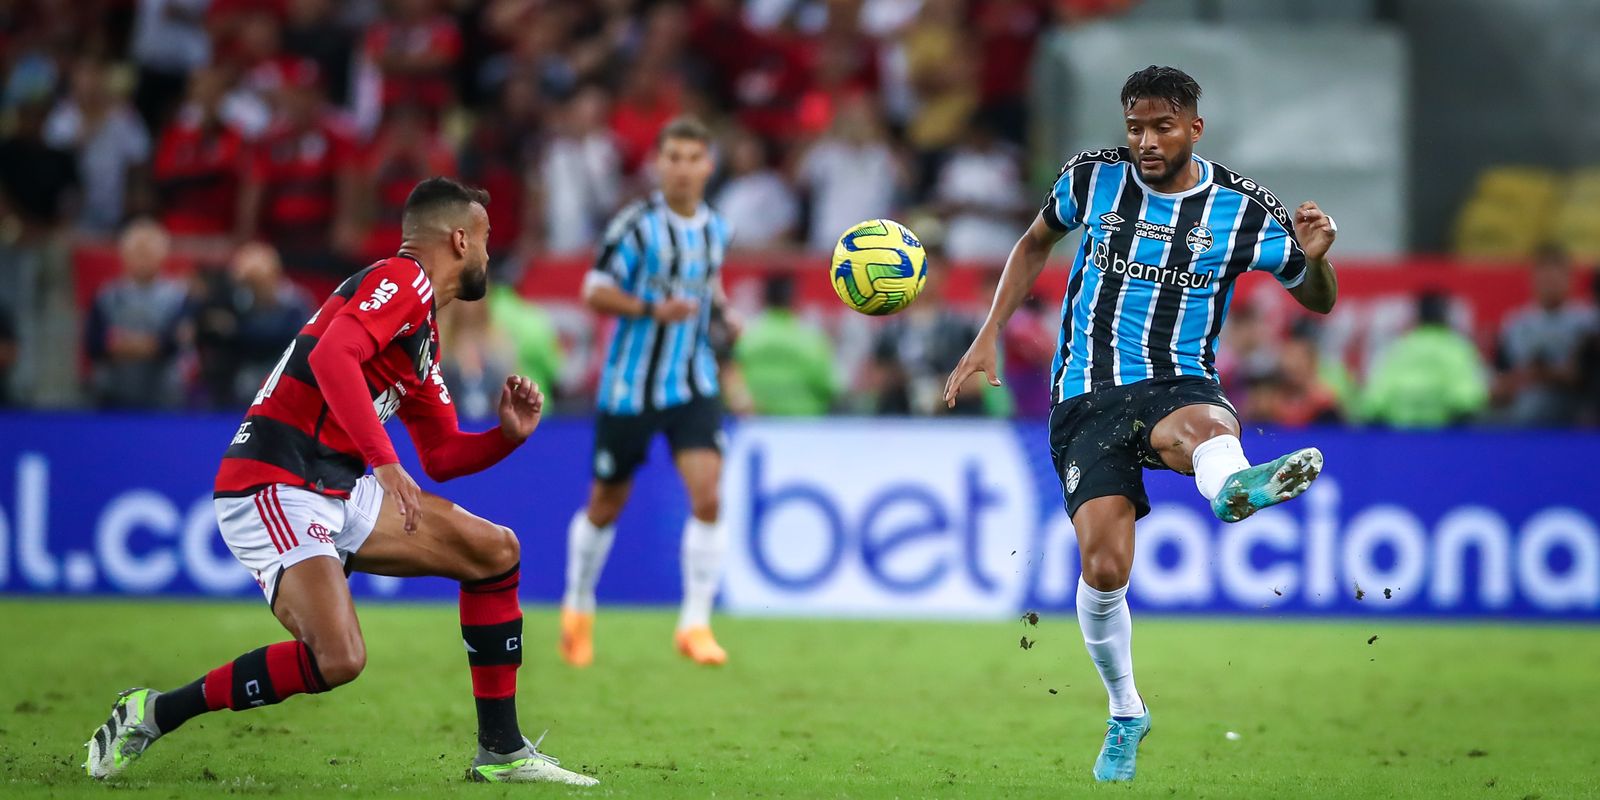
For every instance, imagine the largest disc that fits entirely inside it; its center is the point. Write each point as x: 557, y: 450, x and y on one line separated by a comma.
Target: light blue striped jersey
x: 653, y: 253
x: 1151, y: 282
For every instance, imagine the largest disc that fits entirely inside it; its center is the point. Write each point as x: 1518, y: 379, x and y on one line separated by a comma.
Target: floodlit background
x: 182, y: 181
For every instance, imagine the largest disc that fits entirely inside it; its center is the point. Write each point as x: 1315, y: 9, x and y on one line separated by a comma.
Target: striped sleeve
x: 623, y: 248
x: 1063, y: 206
x: 1281, y: 254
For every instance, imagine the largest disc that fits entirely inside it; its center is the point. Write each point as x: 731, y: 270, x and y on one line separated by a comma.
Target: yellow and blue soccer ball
x: 879, y: 267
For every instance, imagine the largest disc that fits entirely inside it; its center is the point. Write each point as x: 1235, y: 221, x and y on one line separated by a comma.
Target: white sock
x: 587, y: 548
x: 1215, y: 460
x: 703, y: 547
x: 1108, y: 633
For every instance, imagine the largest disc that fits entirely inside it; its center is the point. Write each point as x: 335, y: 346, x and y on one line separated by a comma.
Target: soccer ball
x: 879, y: 267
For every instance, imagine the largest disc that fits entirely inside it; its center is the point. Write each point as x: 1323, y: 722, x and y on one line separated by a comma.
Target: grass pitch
x: 830, y: 709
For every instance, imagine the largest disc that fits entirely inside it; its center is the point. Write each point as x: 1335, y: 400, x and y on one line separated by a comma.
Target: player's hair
x: 434, y: 196
x: 1162, y: 83
x: 684, y: 127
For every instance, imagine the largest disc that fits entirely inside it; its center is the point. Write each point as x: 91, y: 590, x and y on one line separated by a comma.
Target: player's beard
x: 1170, y: 168
x: 474, y: 283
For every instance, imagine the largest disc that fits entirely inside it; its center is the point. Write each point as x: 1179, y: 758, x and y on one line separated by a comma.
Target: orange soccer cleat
x: 700, y: 646
x: 577, y: 637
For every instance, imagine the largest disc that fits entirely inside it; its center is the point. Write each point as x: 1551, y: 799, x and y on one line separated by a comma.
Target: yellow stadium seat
x: 1507, y: 213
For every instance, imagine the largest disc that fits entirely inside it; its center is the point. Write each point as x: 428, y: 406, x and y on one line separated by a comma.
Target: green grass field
x: 831, y: 709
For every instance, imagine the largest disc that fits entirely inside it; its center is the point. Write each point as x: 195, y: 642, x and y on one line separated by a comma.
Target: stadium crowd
x: 273, y: 139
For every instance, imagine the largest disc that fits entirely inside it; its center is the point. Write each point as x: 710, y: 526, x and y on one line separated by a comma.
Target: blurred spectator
x: 110, y: 141
x: 414, y: 50
x: 1537, y: 359
x: 787, y: 362
x: 1295, y: 394
x: 980, y: 195
x: 756, y: 201
x: 246, y: 319
x: 499, y: 156
x: 197, y: 165
x: 299, y: 189
x: 135, y: 326
x: 38, y: 187
x: 169, y: 42
x: 647, y: 101
x: 580, y: 174
x: 8, y: 355
x: 1007, y: 31
x: 405, y: 152
x: 944, y: 77
x: 850, y: 175
x: 1428, y: 378
x: 312, y: 30
x: 927, y: 340
x: 1589, y: 365
x: 1027, y: 350
x: 531, y: 333
x: 1249, y: 353
x: 262, y: 70
x: 477, y: 361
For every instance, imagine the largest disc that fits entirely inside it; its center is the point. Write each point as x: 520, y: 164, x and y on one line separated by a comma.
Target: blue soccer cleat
x: 1121, y: 749
x: 1250, y: 490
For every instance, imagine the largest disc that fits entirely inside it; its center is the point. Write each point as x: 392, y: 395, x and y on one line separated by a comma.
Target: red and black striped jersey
x: 289, y: 435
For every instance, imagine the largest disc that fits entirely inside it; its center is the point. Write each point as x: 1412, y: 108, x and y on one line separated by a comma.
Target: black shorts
x: 1100, y: 441
x: 621, y: 441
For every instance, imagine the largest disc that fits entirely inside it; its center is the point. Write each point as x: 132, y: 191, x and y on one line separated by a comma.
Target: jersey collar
x: 696, y: 221
x: 1200, y: 185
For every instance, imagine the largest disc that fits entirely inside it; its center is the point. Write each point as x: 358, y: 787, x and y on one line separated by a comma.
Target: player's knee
x: 1105, y: 571
x: 706, y: 507
x: 340, y: 661
x: 502, y: 550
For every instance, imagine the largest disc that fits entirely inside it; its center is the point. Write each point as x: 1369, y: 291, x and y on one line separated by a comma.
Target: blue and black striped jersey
x: 1151, y: 281
x: 653, y: 253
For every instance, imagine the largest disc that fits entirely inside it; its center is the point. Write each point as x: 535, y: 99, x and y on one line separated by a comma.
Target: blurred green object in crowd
x: 532, y: 334
x: 787, y: 364
x: 1430, y: 377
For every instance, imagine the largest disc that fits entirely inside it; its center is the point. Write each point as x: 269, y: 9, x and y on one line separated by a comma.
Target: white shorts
x: 281, y: 526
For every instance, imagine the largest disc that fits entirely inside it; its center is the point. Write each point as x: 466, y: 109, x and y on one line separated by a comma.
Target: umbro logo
x: 1111, y: 220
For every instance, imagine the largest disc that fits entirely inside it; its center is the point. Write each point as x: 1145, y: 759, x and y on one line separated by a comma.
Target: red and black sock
x: 491, y: 628
x: 260, y: 677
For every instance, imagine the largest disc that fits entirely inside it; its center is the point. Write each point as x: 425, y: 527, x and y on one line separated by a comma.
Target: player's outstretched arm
x: 1023, y: 266
x: 1316, y: 231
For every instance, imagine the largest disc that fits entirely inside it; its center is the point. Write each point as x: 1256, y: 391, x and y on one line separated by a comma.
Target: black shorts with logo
x: 621, y: 441
x: 1100, y: 441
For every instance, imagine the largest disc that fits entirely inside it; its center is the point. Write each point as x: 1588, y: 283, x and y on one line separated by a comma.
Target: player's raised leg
x: 485, y: 558
x: 589, y: 538
x: 704, y: 546
x: 313, y: 602
x: 1203, y: 440
x: 1104, y: 527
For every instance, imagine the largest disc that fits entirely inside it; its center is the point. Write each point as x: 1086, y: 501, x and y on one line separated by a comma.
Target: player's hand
x: 674, y: 309
x: 980, y: 357
x: 521, y: 403
x: 1315, y: 230
x: 397, y: 483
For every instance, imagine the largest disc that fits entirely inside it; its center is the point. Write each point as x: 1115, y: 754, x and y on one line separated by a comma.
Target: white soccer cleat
x: 124, y: 737
x: 527, y: 765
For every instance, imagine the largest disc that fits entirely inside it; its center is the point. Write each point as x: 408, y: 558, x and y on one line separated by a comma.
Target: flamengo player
x: 295, y: 507
x: 1135, y: 386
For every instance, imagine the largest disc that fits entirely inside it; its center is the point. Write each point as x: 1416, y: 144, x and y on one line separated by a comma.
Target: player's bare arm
x: 1022, y: 268
x: 1316, y: 231
x: 610, y: 299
